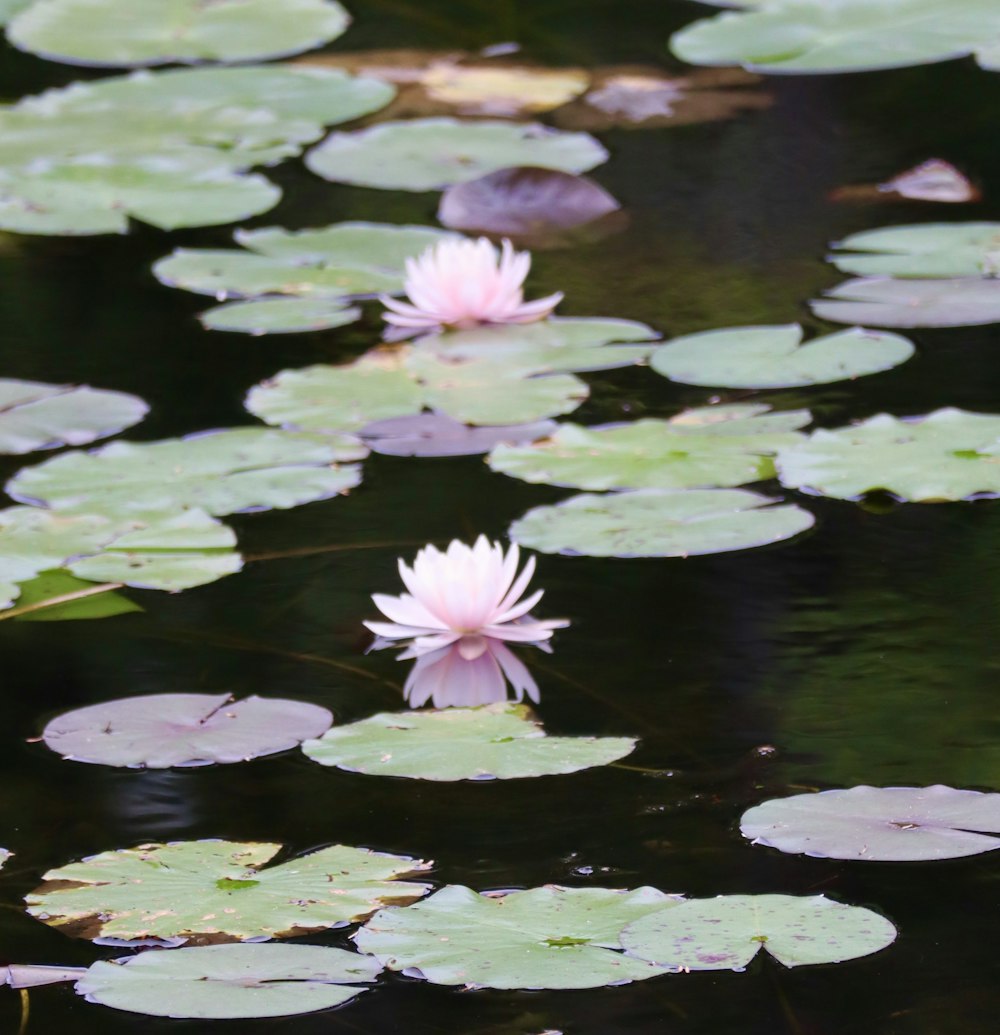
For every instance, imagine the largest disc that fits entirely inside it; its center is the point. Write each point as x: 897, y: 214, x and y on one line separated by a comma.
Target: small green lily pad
x: 924, y: 250
x: 219, y: 891
x: 279, y: 316
x: 219, y: 982
x: 774, y: 357
x: 57, y: 596
x: 949, y: 454
x: 495, y: 742
x: 659, y: 523
x: 878, y: 824
x: 715, y: 446
x: 42, y: 416
x: 725, y: 933
x: 429, y: 154
x: 548, y: 937
x: 221, y: 472
x: 158, y: 32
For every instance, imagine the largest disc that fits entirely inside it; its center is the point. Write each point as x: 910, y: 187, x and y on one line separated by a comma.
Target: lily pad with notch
x: 494, y: 742
x: 203, y: 892
x: 879, y: 824
x: 158, y: 731
x: 549, y: 937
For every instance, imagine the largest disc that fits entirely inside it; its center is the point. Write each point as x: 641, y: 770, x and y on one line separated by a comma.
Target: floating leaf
x: 429, y: 154
x: 158, y: 32
x: 218, y: 982
x: 222, y: 472
x: 42, y: 416
x: 659, y: 523
x: 922, y: 250
x: 949, y: 454
x: 888, y: 302
x: 774, y: 357
x: 725, y: 933
x: 548, y: 937
x: 163, y: 730
x: 57, y: 596
x: 219, y: 891
x: 21, y: 975
x: 501, y: 90
x: 496, y: 742
x: 524, y: 202
x: 434, y: 434
x: 934, y: 180
x: 8, y: 8
x: 279, y: 316
x: 880, y: 824
x: 816, y: 36
x: 714, y: 446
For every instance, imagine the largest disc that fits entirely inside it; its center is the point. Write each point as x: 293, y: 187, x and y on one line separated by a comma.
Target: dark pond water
x: 864, y: 652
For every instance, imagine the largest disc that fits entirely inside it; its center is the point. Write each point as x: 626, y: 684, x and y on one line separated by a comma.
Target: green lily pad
x: 42, y: 416
x: 879, y: 824
x: 429, y: 154
x: 158, y: 731
x: 219, y: 891
x: 725, y: 933
x: 8, y: 8
x: 659, y: 523
x: 434, y: 434
x: 57, y: 596
x: 715, y: 446
x: 153, y: 551
x: 221, y: 472
x: 924, y: 250
x: 279, y: 316
x: 949, y: 454
x: 816, y: 36
x: 158, y: 32
x: 889, y: 302
x: 774, y: 357
x: 548, y: 937
x: 495, y: 742
x: 219, y: 982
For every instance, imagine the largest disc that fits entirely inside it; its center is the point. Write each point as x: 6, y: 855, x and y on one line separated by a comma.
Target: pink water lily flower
x: 463, y: 595
x: 461, y: 284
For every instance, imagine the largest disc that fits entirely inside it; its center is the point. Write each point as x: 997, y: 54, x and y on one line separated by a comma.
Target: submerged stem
x: 25, y: 1012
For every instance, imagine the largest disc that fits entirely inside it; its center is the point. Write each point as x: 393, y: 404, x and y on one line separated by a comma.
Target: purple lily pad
x: 434, y: 434
x: 162, y: 730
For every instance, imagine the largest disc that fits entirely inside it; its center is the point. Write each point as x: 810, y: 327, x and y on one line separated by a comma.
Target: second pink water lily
x: 461, y: 595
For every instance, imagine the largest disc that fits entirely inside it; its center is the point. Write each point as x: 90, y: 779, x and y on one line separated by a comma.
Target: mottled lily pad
x: 949, y: 454
x: 434, y: 434
x: 548, y: 937
x: 495, y: 742
x: 880, y: 824
x: 716, y: 446
x: 219, y: 891
x: 922, y: 250
x: 219, y: 982
x: 222, y: 472
x: 774, y: 357
x: 162, y: 730
x: 659, y: 523
x: 57, y: 596
x: 42, y: 416
x: 157, y: 32
x: 430, y: 154
x: 279, y: 316
x: 725, y: 933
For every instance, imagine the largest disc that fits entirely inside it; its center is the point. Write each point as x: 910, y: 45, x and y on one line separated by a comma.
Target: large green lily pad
x: 712, y: 446
x: 891, y: 302
x: 659, y: 523
x: 817, y: 36
x: 949, y: 454
x: 221, y: 472
x: 495, y: 742
x: 219, y: 982
x: 774, y: 357
x: 153, y: 551
x: 922, y: 250
x: 158, y: 731
x: 548, y: 937
x: 879, y: 824
x: 725, y: 933
x: 157, y: 32
x: 42, y: 416
x: 429, y: 154
x: 219, y: 891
